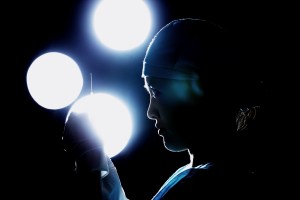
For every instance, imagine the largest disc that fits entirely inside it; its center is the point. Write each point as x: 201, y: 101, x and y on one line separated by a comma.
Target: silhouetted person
x: 204, y: 99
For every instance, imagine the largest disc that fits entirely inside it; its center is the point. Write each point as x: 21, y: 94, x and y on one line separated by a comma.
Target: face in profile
x: 175, y: 106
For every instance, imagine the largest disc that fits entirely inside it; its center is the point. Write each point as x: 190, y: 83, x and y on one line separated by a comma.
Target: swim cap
x: 182, y: 47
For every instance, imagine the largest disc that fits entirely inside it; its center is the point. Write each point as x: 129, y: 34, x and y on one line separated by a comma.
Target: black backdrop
x: 35, y: 166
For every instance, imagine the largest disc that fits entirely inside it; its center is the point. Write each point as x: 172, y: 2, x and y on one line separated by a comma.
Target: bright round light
x: 122, y: 24
x: 110, y: 119
x: 54, y: 80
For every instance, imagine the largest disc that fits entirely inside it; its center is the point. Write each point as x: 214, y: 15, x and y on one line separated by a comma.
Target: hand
x: 83, y: 144
x: 96, y: 167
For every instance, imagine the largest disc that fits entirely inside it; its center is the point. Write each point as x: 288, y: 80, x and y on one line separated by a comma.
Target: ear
x: 244, y: 116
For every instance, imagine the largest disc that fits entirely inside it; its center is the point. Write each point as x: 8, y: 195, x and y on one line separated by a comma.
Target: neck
x: 222, y: 161
x: 195, y: 160
x: 191, y: 158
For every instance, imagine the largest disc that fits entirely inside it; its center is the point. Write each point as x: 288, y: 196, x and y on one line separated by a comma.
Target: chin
x: 174, y: 148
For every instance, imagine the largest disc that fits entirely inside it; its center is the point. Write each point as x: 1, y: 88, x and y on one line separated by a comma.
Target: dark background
x: 35, y: 165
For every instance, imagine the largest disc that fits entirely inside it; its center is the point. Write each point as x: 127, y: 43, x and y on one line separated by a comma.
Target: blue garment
x: 176, y: 177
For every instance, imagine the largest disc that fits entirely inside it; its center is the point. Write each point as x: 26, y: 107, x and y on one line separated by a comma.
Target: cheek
x: 180, y: 110
x: 180, y: 117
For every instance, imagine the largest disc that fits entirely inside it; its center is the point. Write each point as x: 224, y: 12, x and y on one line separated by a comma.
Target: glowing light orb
x: 110, y: 119
x: 54, y: 80
x: 122, y: 24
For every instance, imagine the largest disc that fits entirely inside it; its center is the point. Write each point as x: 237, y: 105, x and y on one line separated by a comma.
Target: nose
x: 152, y: 112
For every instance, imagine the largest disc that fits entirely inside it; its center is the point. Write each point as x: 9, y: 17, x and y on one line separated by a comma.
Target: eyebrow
x: 147, y: 88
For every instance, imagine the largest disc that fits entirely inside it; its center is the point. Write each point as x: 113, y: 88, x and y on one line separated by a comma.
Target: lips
x: 158, y: 125
x: 161, y: 131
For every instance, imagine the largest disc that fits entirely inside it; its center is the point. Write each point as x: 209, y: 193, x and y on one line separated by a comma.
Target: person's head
x: 198, y: 83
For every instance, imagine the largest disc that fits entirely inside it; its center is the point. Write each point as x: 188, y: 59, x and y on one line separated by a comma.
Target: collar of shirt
x: 176, y: 177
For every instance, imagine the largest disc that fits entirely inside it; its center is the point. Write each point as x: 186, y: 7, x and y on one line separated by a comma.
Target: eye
x: 154, y: 92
